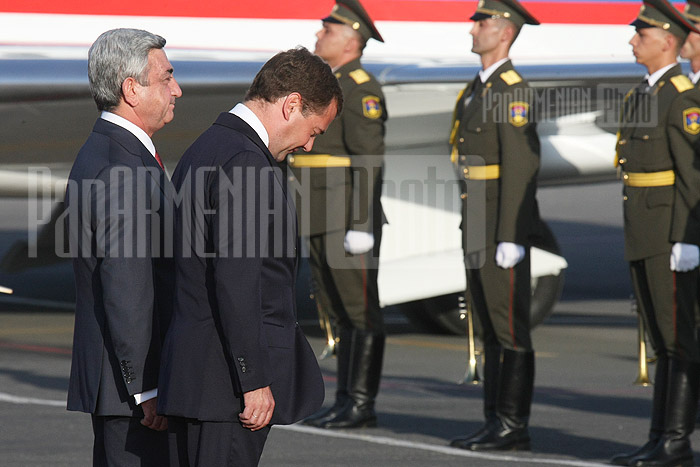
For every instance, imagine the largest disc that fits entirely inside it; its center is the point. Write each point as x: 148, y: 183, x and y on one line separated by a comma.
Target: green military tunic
x: 496, y: 152
x: 660, y: 167
x: 341, y: 193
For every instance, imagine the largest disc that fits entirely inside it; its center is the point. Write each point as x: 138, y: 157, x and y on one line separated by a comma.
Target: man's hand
x: 358, y: 242
x: 259, y: 405
x: 684, y: 257
x: 509, y: 254
x: 150, y: 418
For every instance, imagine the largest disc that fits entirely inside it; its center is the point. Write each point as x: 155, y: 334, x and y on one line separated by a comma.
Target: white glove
x: 357, y: 242
x: 509, y: 254
x: 684, y: 257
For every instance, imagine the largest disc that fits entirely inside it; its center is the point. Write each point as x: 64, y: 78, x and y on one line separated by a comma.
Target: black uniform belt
x: 318, y: 160
x: 649, y: 179
x: 482, y: 172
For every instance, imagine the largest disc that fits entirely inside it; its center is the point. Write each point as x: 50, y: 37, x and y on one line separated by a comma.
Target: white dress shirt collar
x: 131, y: 128
x: 486, y: 74
x: 248, y: 116
x: 694, y: 77
x: 655, y: 76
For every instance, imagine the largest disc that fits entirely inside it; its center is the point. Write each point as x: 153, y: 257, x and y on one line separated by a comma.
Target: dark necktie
x: 476, y: 86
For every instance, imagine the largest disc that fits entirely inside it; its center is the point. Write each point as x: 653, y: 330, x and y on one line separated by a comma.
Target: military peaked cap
x: 661, y: 14
x: 692, y: 10
x: 352, y: 13
x: 508, y: 9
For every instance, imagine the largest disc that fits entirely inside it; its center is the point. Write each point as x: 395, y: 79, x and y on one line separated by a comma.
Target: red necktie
x: 160, y: 162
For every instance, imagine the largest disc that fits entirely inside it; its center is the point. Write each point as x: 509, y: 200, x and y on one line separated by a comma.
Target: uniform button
x: 291, y: 159
x: 463, y: 158
x: 291, y: 179
x: 465, y: 170
x: 240, y: 359
x: 461, y: 140
x: 645, y: 137
x: 243, y: 370
x: 624, y: 198
x: 463, y: 196
x: 478, y: 130
x: 622, y: 141
x: 622, y: 161
x: 625, y: 176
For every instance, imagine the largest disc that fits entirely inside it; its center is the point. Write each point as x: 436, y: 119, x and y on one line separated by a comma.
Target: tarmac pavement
x: 585, y: 408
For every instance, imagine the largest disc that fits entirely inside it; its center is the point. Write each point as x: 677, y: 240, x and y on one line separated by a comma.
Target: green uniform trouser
x: 346, y: 285
x: 501, y: 299
x: 667, y: 302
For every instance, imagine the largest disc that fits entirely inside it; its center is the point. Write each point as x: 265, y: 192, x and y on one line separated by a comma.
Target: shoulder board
x: 511, y: 77
x: 682, y: 83
x: 359, y: 76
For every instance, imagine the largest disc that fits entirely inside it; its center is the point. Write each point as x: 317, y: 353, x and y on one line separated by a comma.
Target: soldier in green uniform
x: 496, y: 151
x: 343, y: 217
x: 691, y: 46
x: 658, y: 160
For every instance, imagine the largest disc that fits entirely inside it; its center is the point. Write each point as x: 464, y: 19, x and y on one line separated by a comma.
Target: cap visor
x: 639, y: 24
x: 330, y: 19
x: 478, y: 16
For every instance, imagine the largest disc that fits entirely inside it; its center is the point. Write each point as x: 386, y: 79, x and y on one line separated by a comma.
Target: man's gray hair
x: 116, y: 55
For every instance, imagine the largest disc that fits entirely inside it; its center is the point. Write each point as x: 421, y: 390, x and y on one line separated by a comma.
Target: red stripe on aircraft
x: 573, y: 12
x: 36, y: 348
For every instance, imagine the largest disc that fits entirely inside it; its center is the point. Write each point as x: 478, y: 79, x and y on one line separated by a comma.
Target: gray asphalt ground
x: 586, y: 407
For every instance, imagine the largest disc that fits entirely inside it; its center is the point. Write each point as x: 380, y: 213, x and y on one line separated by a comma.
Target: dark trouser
x: 194, y: 443
x: 501, y: 298
x: 346, y: 289
x: 667, y: 302
x: 124, y: 442
x: 346, y: 285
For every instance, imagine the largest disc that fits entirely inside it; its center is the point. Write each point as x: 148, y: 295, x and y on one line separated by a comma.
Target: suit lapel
x: 236, y: 123
x: 133, y: 145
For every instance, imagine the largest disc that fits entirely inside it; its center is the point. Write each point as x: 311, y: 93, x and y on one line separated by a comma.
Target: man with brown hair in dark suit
x: 235, y: 360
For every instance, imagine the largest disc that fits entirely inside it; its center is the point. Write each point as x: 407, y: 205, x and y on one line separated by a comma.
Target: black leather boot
x: 366, y: 356
x: 658, y: 412
x: 492, y: 365
x: 673, y: 449
x: 508, y: 429
x: 342, y: 399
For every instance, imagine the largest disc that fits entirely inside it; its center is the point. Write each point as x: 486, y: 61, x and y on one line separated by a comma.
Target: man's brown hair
x: 297, y: 70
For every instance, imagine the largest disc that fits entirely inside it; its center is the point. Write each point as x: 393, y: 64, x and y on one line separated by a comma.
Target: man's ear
x: 352, y: 44
x: 129, y: 91
x: 508, y: 34
x: 291, y: 104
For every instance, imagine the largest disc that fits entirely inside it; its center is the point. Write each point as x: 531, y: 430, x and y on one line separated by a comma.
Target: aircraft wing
x: 47, y: 114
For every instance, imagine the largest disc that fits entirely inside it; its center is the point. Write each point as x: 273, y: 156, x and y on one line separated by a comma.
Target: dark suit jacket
x: 234, y: 328
x: 495, y: 125
x: 116, y: 221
